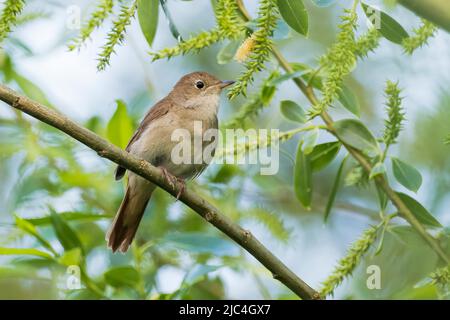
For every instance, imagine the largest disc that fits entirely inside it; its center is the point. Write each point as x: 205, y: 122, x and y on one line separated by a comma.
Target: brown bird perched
x: 194, y: 99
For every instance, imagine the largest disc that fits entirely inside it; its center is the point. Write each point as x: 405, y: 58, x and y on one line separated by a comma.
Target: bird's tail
x: 125, y: 224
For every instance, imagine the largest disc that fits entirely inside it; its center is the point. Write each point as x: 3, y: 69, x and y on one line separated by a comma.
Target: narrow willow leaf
x: 148, y: 18
x: 267, y: 94
x: 120, y: 127
x: 28, y: 252
x: 173, y: 28
x: 380, y: 242
x: 419, y: 211
x: 323, y: 154
x: 226, y: 54
x: 68, y: 216
x: 124, y: 276
x: 378, y: 168
x: 349, y: 101
x: 382, y: 198
x: 355, y: 133
x: 388, y: 27
x: 310, y: 140
x: 295, y: 15
x: 29, y: 228
x: 334, y: 190
x: 287, y: 76
x: 71, y: 257
x: 303, y: 178
x: 406, y: 174
x: 292, y: 111
x: 65, y: 234
x: 31, y: 90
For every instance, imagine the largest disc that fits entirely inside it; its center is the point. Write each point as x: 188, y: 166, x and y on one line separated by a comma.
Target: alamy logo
x: 373, y: 17
x: 374, y: 278
x: 73, y: 280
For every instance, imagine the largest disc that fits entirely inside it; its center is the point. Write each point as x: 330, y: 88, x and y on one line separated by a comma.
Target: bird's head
x: 198, y: 88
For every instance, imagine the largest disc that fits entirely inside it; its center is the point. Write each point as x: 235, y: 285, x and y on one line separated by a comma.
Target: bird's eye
x: 199, y: 84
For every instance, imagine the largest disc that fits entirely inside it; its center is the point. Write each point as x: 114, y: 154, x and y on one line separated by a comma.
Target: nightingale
x: 194, y: 98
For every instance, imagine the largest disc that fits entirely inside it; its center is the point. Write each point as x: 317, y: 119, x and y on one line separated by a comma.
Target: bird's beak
x: 226, y: 83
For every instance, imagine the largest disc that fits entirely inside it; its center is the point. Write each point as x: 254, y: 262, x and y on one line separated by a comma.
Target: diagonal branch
x: 141, y: 167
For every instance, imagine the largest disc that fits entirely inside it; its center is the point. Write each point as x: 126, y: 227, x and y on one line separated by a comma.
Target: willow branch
x: 380, y: 180
x: 141, y: 167
x: 436, y: 11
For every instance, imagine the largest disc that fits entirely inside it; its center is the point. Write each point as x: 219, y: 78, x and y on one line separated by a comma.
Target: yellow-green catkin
x: 420, y: 37
x: 441, y: 276
x: 338, y: 62
x: 394, y: 122
x: 117, y: 34
x: 229, y: 26
x: 367, y: 43
x: 347, y: 265
x: 261, y: 46
x: 103, y: 10
x: 12, y: 9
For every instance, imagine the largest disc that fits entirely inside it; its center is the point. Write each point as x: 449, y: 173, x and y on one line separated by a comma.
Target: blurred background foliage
x: 57, y: 197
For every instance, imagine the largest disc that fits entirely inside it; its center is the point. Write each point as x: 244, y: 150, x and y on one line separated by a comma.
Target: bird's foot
x: 170, y: 178
x: 182, y: 186
x: 174, y: 181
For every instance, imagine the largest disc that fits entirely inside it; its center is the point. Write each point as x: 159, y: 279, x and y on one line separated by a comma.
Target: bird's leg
x: 182, y: 185
x: 170, y: 178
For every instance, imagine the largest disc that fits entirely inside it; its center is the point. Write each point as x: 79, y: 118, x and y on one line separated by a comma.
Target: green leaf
x: 123, y: 276
x: 382, y: 198
x: 292, y: 111
x: 287, y: 76
x: 355, y: 133
x: 31, y: 90
x: 349, y: 101
x: 200, y: 243
x: 226, y: 54
x: 71, y: 257
x: 334, y: 190
x: 295, y: 15
x: 406, y: 174
x: 323, y: 154
x: 303, y: 177
x: 419, y: 211
x: 309, y: 141
x: 172, y: 27
x: 29, y: 228
x: 267, y: 93
x: 21, y: 251
x: 148, y: 18
x: 68, y: 216
x: 388, y: 27
x: 65, y: 234
x: 120, y: 127
x: 378, y: 168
